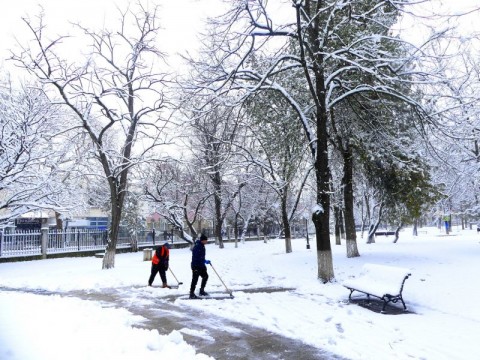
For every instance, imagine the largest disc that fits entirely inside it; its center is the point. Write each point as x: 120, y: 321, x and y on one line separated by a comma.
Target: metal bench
x: 381, y: 281
x: 384, y: 232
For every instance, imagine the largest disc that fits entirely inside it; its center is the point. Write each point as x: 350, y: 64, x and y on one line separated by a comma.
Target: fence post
x: 44, y: 241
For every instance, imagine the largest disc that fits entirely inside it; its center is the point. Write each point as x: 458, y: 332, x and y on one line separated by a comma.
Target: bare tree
x: 179, y: 193
x: 116, y: 95
x: 36, y: 162
x: 279, y: 150
x: 246, y: 206
x: 215, y: 127
x: 454, y: 146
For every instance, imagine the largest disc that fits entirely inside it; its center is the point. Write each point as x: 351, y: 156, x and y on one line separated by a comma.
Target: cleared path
x: 223, y: 339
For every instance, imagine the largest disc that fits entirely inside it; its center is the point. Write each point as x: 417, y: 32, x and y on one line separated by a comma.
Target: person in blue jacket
x: 199, y: 268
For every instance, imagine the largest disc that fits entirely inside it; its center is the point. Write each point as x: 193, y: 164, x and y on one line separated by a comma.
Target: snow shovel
x: 228, y: 291
x: 178, y: 282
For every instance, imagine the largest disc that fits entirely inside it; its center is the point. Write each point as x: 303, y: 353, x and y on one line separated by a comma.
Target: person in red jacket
x: 160, y: 264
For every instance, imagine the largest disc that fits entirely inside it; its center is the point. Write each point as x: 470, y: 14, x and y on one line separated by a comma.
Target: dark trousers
x: 157, y: 269
x: 196, y: 273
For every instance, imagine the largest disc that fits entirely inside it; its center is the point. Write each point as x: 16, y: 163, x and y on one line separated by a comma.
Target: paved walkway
x: 226, y: 339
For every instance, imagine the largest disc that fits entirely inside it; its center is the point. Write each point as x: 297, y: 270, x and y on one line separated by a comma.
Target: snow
x: 379, y: 280
x: 442, y: 323
x: 317, y: 209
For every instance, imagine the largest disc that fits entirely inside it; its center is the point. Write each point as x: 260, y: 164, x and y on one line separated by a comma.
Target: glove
x: 208, y: 262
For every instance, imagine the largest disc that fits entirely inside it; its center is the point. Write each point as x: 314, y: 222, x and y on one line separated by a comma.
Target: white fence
x: 21, y: 242
x: 51, y: 241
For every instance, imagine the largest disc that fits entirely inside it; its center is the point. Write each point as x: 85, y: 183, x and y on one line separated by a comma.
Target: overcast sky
x: 181, y: 19
x: 441, y: 14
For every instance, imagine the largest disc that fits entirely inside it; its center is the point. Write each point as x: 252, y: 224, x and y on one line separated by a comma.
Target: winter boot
x: 165, y: 286
x: 203, y: 292
x: 193, y: 296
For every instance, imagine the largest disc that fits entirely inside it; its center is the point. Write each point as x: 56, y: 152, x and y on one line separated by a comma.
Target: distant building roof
x: 39, y: 214
x: 154, y: 217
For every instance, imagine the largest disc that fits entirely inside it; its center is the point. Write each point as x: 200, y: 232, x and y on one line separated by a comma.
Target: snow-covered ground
x: 442, y: 296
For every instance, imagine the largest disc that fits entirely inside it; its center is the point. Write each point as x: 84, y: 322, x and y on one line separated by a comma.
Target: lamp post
x: 306, y: 229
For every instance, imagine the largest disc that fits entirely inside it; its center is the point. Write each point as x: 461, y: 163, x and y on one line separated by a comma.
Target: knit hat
x: 203, y: 237
x: 167, y: 245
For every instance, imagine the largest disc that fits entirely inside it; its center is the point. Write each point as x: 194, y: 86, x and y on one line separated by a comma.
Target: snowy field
x: 442, y: 297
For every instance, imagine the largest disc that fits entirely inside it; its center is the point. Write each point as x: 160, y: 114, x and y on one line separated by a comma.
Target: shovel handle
x: 174, y: 276
x: 221, y: 280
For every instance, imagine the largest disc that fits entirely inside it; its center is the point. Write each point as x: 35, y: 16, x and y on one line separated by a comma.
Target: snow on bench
x: 381, y: 281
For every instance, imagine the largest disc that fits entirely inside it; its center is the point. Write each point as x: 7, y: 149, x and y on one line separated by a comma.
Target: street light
x: 306, y: 229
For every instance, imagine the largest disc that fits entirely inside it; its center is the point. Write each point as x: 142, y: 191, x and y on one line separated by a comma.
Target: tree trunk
x: 321, y: 217
x: 319, y: 143
x: 286, y: 224
x: 348, y: 203
x: 117, y: 198
x: 342, y: 225
x: 336, y: 211
x: 218, y: 209
x: 367, y: 218
x: 235, y: 228
x: 109, y: 257
x: 58, y: 221
x: 371, y: 234
x: 246, y: 224
x: 397, y: 232
x: 374, y: 226
x: 264, y: 227
x: 134, y: 241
